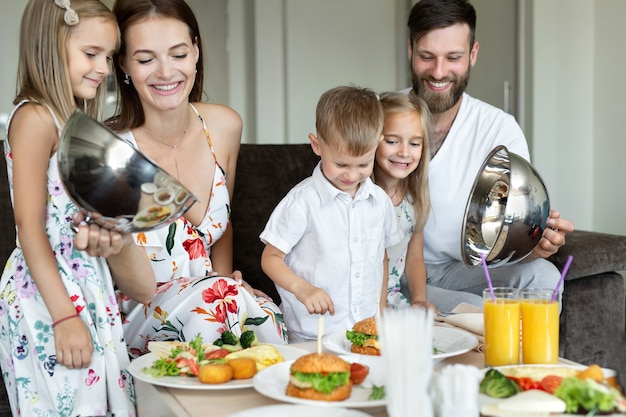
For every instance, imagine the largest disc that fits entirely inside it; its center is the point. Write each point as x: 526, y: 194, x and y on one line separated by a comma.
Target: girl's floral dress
x: 189, y: 299
x: 36, y: 384
x: 397, y: 254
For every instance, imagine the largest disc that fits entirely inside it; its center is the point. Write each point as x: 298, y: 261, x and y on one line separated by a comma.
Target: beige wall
x: 579, y: 102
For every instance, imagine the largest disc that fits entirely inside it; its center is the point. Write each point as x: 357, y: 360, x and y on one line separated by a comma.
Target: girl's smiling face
x: 89, y: 49
x: 400, y: 151
x: 161, y: 61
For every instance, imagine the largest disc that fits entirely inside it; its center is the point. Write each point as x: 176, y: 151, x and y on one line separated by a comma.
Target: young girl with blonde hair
x: 401, y: 169
x: 62, y: 348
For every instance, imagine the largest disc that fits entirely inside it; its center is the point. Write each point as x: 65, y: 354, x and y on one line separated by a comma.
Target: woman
x: 159, y: 69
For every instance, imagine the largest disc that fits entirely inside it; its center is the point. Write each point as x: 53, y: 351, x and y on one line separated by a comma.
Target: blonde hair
x: 416, y: 183
x: 42, y: 73
x: 349, y: 119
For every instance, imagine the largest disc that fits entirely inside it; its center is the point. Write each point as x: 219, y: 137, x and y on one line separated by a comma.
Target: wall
x: 9, y: 33
x: 578, y: 104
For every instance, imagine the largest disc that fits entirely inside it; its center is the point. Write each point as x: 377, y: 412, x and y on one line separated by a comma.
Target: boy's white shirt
x: 336, y: 243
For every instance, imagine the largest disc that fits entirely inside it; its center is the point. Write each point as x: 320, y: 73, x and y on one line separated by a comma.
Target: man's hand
x: 553, y: 237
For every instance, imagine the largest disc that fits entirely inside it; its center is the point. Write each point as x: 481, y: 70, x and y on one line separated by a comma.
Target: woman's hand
x: 238, y: 277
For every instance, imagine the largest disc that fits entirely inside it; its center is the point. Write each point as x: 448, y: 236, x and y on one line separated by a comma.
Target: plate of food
x: 447, y: 341
x: 561, y: 389
x: 176, y: 364
x: 324, y: 380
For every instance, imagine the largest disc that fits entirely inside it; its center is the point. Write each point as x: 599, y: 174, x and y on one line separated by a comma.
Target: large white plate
x: 289, y: 353
x: 291, y: 410
x: 541, y: 368
x: 272, y: 382
x: 447, y: 340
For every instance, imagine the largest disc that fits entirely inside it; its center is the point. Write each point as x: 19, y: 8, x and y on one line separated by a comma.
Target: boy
x: 334, y: 225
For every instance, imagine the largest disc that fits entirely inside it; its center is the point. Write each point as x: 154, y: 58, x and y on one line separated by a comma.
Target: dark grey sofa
x: 593, y: 318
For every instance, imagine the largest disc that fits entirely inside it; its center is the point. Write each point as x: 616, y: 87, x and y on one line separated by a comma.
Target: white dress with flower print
x: 36, y: 384
x: 189, y: 300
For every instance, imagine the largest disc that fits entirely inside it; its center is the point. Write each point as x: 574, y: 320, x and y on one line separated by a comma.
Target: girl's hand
x: 425, y: 305
x: 96, y: 240
x: 73, y: 343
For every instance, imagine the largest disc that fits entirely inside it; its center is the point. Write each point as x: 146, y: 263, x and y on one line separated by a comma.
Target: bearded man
x: 442, y: 50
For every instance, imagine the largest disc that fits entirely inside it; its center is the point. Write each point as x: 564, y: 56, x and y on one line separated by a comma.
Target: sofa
x: 593, y: 318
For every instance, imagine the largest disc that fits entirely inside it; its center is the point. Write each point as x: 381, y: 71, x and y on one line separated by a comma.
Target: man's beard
x: 440, y: 102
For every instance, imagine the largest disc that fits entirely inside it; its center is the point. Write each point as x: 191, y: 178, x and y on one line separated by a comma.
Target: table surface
x: 157, y: 401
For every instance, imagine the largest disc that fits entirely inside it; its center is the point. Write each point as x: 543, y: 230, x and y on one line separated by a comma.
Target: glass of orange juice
x: 540, y: 326
x: 502, y: 326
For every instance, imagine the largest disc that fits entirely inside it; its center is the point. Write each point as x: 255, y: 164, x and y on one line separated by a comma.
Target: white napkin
x: 405, y: 337
x: 469, y: 318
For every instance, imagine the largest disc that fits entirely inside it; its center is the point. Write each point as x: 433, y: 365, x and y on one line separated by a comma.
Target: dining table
x: 160, y: 401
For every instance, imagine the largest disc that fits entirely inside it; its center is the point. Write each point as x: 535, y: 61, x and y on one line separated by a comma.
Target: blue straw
x: 555, y: 293
x: 493, y: 297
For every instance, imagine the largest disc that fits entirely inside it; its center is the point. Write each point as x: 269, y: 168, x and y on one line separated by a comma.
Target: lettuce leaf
x: 357, y: 338
x: 324, y: 383
x: 586, y: 395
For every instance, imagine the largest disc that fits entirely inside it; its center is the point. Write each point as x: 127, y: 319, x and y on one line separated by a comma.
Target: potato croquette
x: 215, y: 373
x: 243, y: 368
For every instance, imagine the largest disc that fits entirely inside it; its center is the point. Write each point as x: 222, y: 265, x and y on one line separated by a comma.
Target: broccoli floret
x: 229, y: 338
x: 248, y: 338
x: 218, y: 342
x: 495, y: 384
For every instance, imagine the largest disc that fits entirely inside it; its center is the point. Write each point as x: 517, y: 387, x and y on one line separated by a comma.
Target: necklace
x: 394, y: 193
x: 174, y: 146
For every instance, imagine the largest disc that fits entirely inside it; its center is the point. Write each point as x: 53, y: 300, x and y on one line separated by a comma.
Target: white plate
x: 291, y: 410
x: 289, y: 353
x: 484, y: 399
x: 272, y: 382
x: 449, y: 341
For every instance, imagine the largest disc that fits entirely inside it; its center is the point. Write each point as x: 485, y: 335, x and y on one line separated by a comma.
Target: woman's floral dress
x: 189, y: 300
x: 36, y: 384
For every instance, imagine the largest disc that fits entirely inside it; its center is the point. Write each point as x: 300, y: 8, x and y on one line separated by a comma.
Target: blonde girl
x: 401, y: 169
x: 62, y: 349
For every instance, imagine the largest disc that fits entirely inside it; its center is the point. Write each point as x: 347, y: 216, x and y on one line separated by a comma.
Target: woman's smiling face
x: 161, y: 61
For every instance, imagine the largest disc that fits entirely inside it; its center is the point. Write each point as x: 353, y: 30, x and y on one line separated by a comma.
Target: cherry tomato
x: 216, y: 354
x: 358, y: 372
x: 526, y: 383
x: 550, y: 383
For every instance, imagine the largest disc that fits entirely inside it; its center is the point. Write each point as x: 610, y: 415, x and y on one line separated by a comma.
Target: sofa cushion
x: 601, y: 253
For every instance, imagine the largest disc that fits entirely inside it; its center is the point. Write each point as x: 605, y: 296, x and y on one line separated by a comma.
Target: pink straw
x: 493, y: 297
x: 555, y: 293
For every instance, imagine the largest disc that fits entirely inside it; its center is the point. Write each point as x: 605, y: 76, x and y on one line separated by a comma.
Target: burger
x: 319, y: 376
x: 364, y: 337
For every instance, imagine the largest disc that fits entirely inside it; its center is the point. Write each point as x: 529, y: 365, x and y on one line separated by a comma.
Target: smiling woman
x: 159, y: 69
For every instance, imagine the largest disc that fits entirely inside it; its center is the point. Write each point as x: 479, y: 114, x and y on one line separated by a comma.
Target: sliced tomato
x: 526, y: 383
x: 216, y: 354
x: 358, y: 372
x: 190, y: 364
x: 550, y: 383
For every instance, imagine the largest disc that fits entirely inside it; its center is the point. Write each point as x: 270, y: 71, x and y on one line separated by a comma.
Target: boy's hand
x: 316, y: 300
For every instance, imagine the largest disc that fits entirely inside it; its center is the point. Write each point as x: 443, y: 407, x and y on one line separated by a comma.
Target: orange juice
x: 540, y: 330
x: 502, y: 331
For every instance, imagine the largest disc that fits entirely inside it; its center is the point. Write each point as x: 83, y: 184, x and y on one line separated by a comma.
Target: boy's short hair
x: 350, y: 119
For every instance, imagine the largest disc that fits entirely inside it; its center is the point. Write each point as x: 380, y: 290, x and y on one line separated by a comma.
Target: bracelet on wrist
x: 59, y: 321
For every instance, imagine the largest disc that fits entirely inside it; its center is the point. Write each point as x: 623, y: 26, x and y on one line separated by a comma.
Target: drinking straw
x: 493, y: 297
x: 555, y: 293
